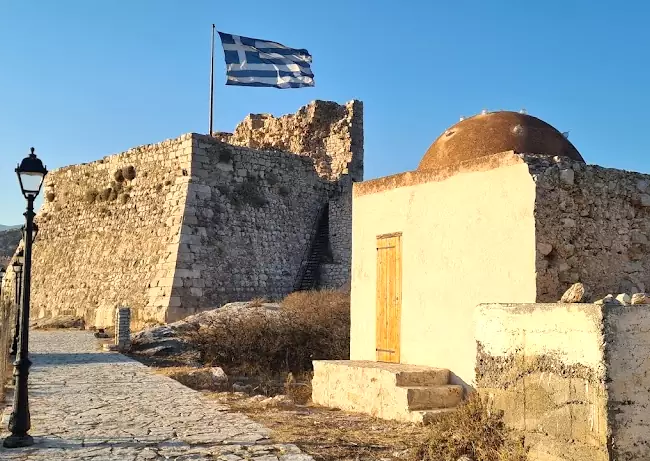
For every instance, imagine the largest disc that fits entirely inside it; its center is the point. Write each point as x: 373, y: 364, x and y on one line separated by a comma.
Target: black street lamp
x: 17, y: 267
x: 31, y: 173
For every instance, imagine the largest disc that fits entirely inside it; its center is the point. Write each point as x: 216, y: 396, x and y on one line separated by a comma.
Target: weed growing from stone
x: 225, y: 156
x: 248, y: 192
x: 90, y: 195
x: 129, y: 172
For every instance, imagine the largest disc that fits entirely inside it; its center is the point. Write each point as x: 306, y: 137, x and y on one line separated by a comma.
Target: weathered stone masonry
x: 194, y: 222
x: 592, y: 226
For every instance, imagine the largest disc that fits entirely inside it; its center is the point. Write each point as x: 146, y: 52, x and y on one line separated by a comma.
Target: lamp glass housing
x: 31, y: 173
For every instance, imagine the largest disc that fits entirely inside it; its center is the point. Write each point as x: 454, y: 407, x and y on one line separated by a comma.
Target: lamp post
x: 17, y: 267
x: 31, y: 173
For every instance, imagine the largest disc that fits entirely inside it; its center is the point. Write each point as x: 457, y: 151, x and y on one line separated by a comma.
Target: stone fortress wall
x: 106, y: 228
x: 191, y: 223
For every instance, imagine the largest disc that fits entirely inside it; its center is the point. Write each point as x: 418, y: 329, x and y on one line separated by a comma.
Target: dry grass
x: 475, y: 430
x: 257, y: 302
x: 310, y: 326
x: 299, y: 387
x: 332, y: 435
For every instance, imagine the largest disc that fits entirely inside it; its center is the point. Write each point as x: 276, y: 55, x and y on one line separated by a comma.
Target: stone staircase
x: 387, y: 390
x: 309, y: 276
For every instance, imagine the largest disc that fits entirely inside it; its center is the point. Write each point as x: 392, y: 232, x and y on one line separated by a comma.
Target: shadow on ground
x: 86, y: 358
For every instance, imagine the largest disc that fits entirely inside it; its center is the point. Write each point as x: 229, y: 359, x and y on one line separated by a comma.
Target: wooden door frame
x: 395, y: 304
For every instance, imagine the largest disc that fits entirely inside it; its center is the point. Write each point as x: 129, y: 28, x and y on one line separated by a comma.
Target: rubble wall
x: 592, y: 226
x: 329, y: 133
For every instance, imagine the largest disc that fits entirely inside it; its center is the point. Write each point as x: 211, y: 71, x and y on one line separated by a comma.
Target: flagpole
x: 211, y: 79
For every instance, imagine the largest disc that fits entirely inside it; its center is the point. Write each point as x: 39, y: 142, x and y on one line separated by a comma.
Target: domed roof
x: 496, y: 132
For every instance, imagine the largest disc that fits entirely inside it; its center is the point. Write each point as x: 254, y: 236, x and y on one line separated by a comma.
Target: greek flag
x: 254, y: 62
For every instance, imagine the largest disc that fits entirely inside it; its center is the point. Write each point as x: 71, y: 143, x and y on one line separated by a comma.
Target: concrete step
x: 429, y: 416
x: 429, y: 377
x: 428, y: 397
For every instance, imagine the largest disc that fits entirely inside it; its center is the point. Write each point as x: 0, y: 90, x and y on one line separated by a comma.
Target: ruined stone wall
x: 108, y: 230
x: 571, y: 377
x: 247, y: 223
x: 329, y: 133
x: 592, y: 226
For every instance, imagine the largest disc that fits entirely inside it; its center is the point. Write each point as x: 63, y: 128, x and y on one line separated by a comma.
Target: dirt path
x: 329, y: 435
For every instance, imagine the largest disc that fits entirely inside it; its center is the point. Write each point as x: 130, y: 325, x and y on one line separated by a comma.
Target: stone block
x: 175, y: 301
x: 577, y: 363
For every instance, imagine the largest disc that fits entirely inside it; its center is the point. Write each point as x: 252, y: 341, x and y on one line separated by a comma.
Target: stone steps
x: 430, y: 397
x: 396, y: 391
x: 430, y: 377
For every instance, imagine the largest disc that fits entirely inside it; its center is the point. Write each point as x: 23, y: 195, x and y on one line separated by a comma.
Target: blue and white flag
x: 253, y: 62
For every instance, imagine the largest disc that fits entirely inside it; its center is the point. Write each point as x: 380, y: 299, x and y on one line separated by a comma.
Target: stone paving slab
x: 91, y: 405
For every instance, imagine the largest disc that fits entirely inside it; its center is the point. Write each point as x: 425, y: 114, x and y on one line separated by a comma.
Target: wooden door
x: 389, y: 297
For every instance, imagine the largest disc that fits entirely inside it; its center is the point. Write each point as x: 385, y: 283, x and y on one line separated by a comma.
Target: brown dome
x: 495, y: 132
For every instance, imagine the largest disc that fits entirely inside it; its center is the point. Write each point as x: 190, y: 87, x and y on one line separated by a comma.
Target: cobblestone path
x: 92, y: 405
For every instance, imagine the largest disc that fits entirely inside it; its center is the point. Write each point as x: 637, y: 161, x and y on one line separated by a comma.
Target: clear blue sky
x: 81, y: 79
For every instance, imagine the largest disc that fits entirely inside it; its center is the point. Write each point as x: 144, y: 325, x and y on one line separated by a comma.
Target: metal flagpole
x: 211, y: 79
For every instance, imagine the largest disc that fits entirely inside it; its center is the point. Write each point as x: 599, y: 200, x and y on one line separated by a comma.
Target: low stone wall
x: 571, y: 377
x: 7, y: 314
